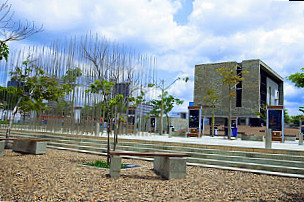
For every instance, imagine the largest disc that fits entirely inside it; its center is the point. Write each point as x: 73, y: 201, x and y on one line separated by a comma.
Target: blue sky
x: 183, y: 33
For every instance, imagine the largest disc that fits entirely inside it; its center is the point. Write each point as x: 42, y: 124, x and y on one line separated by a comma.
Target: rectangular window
x: 269, y: 99
x: 239, y: 88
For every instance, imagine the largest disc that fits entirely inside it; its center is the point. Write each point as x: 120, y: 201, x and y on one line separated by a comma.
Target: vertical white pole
x: 203, y: 126
x: 300, y: 138
x: 283, y: 124
x: 267, y: 119
x: 188, y: 120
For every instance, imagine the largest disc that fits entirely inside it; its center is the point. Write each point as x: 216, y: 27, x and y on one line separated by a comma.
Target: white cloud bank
x: 217, y: 30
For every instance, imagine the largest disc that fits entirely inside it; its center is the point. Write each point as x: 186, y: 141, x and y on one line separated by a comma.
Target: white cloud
x: 217, y: 30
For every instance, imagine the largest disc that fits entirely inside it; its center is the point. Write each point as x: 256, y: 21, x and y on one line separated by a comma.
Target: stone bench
x: 2, y: 143
x: 168, y: 165
x: 29, y: 146
x: 252, y: 137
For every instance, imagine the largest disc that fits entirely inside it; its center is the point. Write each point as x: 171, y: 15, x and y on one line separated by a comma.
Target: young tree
x: 296, y: 119
x: 137, y: 101
x: 211, y: 98
x: 262, y: 114
x: 163, y: 88
x: 165, y: 104
x: 34, y: 87
x: 286, y: 117
x: 70, y: 79
x: 13, y: 31
x: 298, y: 80
x: 115, y: 104
x: 230, y: 79
x: 104, y: 88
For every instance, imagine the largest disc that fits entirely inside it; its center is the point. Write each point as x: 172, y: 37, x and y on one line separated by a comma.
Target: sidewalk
x: 217, y: 140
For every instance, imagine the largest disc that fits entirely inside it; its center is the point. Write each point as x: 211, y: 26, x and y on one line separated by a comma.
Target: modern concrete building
x: 262, y: 85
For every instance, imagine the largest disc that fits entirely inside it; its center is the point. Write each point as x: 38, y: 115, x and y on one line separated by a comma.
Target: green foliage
x: 169, y: 102
x: 186, y: 79
x: 296, y: 119
x: 104, y: 87
x: 230, y: 78
x: 212, y: 97
x: 70, y: 79
x: 71, y: 75
x: 4, y: 51
x: 301, y: 109
x: 262, y: 113
x: 8, y: 97
x: 297, y: 79
x: 286, y: 116
x: 7, y: 122
x: 139, y: 99
x: 35, y: 86
x: 101, y: 164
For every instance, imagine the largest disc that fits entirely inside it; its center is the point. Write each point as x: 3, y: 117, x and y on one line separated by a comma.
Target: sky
x: 183, y: 33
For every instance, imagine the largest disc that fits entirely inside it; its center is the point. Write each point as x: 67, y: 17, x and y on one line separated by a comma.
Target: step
x: 290, y: 163
x: 272, y: 168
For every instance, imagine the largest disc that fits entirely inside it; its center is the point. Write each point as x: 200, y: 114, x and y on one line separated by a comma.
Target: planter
x: 290, y: 138
x: 252, y: 138
x: 30, y: 146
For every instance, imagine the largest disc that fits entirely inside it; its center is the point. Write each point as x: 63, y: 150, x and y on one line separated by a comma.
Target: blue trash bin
x: 234, y: 132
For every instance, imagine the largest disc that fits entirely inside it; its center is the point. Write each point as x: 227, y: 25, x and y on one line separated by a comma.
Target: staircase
x: 264, y: 161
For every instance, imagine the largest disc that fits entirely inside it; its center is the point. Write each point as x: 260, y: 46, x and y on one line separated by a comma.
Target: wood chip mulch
x: 55, y: 176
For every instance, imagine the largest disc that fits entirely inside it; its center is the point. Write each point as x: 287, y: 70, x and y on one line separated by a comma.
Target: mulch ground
x: 55, y: 176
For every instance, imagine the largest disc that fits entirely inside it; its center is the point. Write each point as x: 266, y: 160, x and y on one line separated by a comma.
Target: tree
x: 115, y: 104
x: 296, y: 119
x: 13, y: 31
x: 211, y: 98
x: 286, y: 117
x: 34, y: 87
x: 104, y: 88
x: 163, y: 88
x: 262, y: 114
x: 165, y: 105
x: 70, y: 79
x: 8, y: 98
x: 137, y: 101
x: 298, y: 80
x: 230, y: 78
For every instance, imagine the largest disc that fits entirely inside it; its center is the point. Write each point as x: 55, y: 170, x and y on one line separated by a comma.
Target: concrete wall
x: 207, y: 77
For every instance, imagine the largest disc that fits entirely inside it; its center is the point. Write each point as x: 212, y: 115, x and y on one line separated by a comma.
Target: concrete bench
x: 29, y: 146
x: 2, y: 143
x: 168, y: 165
x: 252, y: 137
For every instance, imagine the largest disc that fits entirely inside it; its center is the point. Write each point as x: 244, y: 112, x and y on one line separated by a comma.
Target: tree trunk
x: 73, y: 112
x: 8, y: 131
x: 229, y: 114
x: 108, y: 145
x: 168, y: 124
x: 102, y: 122
x: 115, y: 128
x: 161, y: 113
x: 212, y: 122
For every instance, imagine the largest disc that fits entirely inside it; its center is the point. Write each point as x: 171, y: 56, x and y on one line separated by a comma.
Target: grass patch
x: 7, y: 122
x: 102, y: 164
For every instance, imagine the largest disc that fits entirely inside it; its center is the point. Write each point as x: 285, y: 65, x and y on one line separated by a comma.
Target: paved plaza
x: 217, y: 140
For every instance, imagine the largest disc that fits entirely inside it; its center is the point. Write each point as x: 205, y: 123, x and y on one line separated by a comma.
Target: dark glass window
x: 239, y: 88
x: 194, y: 118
